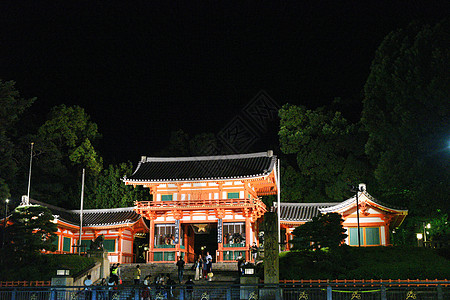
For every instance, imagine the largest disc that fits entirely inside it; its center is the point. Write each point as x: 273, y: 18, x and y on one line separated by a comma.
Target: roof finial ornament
x: 362, y: 187
x: 25, y: 201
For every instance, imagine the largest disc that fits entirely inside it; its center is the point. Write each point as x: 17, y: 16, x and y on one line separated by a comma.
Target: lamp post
x: 4, y: 222
x: 357, y: 190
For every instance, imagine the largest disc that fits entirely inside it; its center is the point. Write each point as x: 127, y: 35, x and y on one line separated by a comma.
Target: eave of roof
x: 203, y: 168
x: 352, y: 201
x: 300, y: 212
x: 94, y: 217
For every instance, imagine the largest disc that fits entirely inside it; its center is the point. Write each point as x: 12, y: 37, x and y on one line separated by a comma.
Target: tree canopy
x: 324, y: 231
x: 12, y: 106
x: 329, y: 152
x: 63, y: 147
x: 108, y: 191
x: 30, y: 232
x: 406, y: 115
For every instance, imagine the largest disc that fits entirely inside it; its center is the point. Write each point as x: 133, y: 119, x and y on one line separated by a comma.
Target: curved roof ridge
x: 215, y: 157
x: 103, y: 210
x: 307, y: 203
x: 219, y: 167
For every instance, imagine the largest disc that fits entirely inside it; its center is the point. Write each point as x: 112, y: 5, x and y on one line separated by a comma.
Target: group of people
x: 113, y: 280
x: 203, y: 267
x: 168, y: 239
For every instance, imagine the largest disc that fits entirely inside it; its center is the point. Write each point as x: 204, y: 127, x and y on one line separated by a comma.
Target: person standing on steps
x: 180, y: 266
x: 88, y: 283
x: 208, y: 267
x: 254, y: 249
x: 198, y: 267
x: 189, y: 288
x: 137, y: 275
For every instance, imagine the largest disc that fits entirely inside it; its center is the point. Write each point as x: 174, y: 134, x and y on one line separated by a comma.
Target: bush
x: 365, y: 263
x: 44, y: 267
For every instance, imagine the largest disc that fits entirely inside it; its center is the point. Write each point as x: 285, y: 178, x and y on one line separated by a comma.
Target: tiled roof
x: 162, y: 169
x: 352, y: 200
x: 301, y: 212
x: 94, y: 217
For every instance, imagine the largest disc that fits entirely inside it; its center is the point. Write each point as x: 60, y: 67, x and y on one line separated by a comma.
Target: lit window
x: 166, y: 197
x: 369, y: 236
x: 234, y: 234
x: 233, y: 195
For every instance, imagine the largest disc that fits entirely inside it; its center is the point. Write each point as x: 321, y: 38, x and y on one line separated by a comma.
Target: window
x: 164, y: 236
x: 109, y: 245
x: 66, y: 244
x: 233, y: 255
x: 369, y: 236
x: 85, y: 245
x: 234, y: 234
x: 56, y: 242
x: 233, y: 195
x: 373, y: 236
x: 166, y: 197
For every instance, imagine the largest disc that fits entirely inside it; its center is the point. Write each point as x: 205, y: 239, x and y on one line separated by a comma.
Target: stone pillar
x: 102, y: 257
x: 271, y: 258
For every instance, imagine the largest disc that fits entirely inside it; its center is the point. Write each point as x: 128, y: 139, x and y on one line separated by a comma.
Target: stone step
x: 223, y: 272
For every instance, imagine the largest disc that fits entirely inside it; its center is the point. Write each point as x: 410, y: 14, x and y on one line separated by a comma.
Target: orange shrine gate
x: 204, y: 204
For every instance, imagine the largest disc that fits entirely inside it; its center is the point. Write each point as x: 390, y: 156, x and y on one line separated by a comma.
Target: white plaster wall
x: 127, y: 246
x: 363, y: 220
x: 383, y: 235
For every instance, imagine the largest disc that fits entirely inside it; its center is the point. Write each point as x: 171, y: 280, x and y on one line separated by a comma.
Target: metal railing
x: 290, y: 291
x: 200, y: 203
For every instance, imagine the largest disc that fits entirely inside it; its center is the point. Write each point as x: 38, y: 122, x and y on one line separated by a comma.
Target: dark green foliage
x: 439, y: 228
x: 43, y: 267
x: 406, y: 114
x: 108, y: 191
x: 12, y: 106
x: 329, y: 152
x: 63, y: 147
x: 366, y: 263
x: 181, y: 144
x: 31, y: 231
x: 324, y: 231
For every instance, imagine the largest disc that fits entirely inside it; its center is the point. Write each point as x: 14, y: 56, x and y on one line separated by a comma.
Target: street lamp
x: 356, y: 190
x: 4, y: 222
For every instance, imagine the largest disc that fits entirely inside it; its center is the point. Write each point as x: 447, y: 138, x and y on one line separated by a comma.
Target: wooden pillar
x: 248, y: 228
x: 119, y: 246
x: 151, y: 238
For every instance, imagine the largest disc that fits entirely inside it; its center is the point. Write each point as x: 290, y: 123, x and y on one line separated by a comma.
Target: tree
x: 12, y: 106
x: 30, y: 232
x: 63, y: 147
x: 406, y: 115
x: 324, y: 231
x: 329, y: 151
x: 107, y: 190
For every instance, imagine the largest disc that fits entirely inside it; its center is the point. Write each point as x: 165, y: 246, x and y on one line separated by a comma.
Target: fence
x: 290, y: 291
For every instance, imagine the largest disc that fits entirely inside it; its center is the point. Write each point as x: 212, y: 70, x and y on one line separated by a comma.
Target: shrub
x: 44, y: 267
x: 365, y: 263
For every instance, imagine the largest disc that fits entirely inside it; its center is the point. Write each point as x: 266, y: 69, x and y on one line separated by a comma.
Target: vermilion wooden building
x: 211, y: 203
x: 376, y: 219
x: 119, y: 226
x: 208, y: 203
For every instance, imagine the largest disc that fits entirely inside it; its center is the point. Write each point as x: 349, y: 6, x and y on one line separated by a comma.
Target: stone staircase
x: 223, y: 272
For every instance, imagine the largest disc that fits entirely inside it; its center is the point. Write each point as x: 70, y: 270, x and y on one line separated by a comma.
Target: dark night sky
x: 143, y: 69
